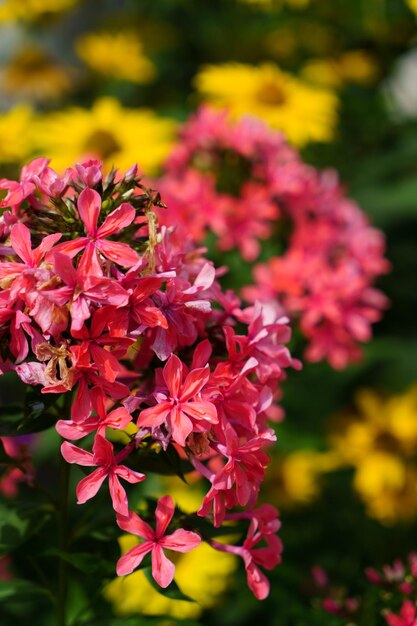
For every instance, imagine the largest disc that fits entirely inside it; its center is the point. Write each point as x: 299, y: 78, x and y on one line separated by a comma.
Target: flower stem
x: 64, y: 477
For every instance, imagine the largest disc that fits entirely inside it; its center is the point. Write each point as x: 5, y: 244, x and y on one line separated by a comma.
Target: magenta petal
x: 129, y: 561
x: 120, y: 253
x: 155, y: 415
x: 172, y: 373
x: 118, y: 495
x: 181, y: 425
x: 163, y: 513
x: 128, y: 474
x: 257, y: 581
x: 118, y: 219
x: 181, y: 541
x: 103, y: 451
x: 135, y: 525
x: 194, y: 383
x: 73, y: 454
x: 20, y: 240
x: 162, y: 568
x: 89, y: 205
x: 201, y: 411
x: 88, y: 486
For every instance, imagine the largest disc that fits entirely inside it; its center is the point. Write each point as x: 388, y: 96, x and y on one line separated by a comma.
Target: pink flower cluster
x: 241, y: 181
x: 133, y: 328
x: 398, y: 584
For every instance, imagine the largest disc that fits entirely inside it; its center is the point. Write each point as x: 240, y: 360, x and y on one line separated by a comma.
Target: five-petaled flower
x: 155, y: 541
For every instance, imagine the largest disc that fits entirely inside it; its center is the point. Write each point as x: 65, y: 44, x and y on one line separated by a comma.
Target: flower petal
x: 162, y: 568
x: 181, y: 541
x: 88, y: 486
x: 135, y: 525
x: 129, y: 561
x: 89, y: 205
x: 73, y: 454
x: 163, y: 513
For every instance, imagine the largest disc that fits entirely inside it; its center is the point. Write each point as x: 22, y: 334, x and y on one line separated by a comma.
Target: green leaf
x: 80, y: 560
x: 16, y: 587
x: 166, y: 463
x: 173, y: 592
x: 17, y: 524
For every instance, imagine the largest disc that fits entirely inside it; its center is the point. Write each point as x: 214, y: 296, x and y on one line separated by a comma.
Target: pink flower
x: 89, y: 206
x: 80, y: 289
x: 155, y: 541
x: 108, y: 466
x: 407, y: 616
x: 178, y: 408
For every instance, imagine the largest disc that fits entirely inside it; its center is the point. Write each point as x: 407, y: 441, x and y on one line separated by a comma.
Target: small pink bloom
x: 155, y: 541
x: 89, y: 206
x: 407, y: 616
x: 180, y: 408
x: 108, y: 466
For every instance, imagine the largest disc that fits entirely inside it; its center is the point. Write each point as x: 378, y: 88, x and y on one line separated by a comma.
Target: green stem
x: 64, y: 477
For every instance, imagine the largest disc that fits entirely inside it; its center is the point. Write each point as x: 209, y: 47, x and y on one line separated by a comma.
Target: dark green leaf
x: 173, y: 592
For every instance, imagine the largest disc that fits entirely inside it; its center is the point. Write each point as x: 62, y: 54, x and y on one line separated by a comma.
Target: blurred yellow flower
x: 297, y: 481
x: 381, y: 443
x: 27, y: 10
x: 413, y: 5
x: 355, y: 66
x: 304, y: 113
x: 32, y: 74
x: 202, y: 574
x: 107, y: 131
x: 388, y: 486
x: 116, y: 55
x: 15, y: 133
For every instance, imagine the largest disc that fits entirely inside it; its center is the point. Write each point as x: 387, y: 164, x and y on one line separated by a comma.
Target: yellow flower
x: 388, y: 487
x: 355, y: 66
x: 304, y: 113
x: 117, y: 55
x: 413, y: 5
x: 299, y: 474
x: 381, y: 444
x: 107, y: 131
x: 28, y: 10
x: 15, y: 133
x: 202, y: 574
x: 32, y: 74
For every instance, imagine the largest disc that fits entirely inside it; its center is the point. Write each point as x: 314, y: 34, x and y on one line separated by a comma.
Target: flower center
x: 103, y: 144
x: 271, y: 94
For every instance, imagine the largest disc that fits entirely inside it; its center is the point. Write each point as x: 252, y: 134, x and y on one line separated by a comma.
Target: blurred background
x: 114, y: 79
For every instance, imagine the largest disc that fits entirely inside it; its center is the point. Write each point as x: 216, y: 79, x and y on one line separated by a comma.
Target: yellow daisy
x: 31, y: 73
x: 116, y: 55
x: 28, y: 10
x: 15, y: 133
x: 107, y: 131
x: 303, y: 112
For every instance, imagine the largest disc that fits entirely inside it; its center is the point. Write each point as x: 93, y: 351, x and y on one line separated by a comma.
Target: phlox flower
x: 180, y: 407
x: 155, y: 541
x: 108, y: 466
